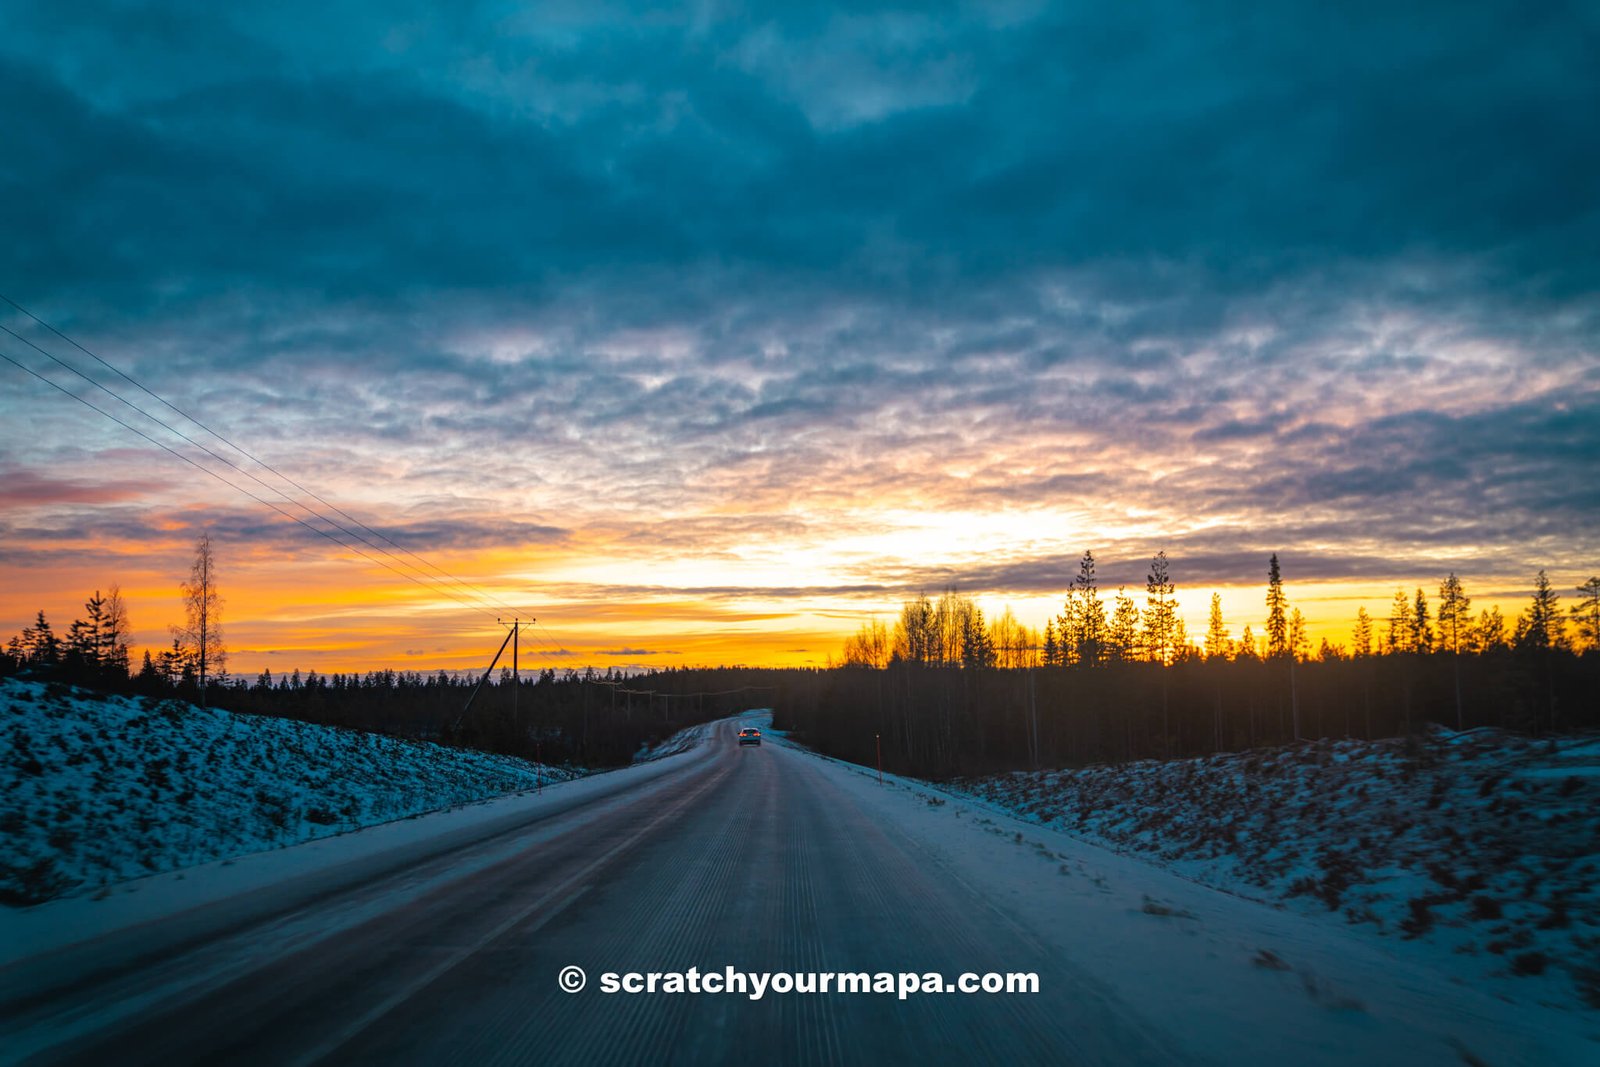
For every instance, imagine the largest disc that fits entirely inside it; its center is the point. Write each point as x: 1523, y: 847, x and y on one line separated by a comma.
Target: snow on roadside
x: 1230, y: 979
x: 682, y: 741
x: 97, y: 789
x: 1483, y: 844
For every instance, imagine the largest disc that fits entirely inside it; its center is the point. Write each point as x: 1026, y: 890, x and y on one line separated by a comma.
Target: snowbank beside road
x: 1232, y: 979
x: 682, y: 741
x: 98, y: 789
x: 1482, y: 844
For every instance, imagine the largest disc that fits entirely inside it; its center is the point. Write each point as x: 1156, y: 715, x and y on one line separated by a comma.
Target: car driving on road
x: 749, y: 736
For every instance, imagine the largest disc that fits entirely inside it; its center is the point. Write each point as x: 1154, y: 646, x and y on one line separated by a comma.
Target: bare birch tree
x: 201, y: 634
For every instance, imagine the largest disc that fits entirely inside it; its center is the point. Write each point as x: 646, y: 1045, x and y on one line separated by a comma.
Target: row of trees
x: 584, y: 717
x: 95, y: 649
x: 942, y: 693
x: 587, y: 717
x: 943, y: 688
x: 952, y: 632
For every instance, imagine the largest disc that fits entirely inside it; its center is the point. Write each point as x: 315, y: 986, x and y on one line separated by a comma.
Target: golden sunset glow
x: 617, y: 597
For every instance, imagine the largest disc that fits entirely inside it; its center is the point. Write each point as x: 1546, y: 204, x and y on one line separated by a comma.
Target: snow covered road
x: 441, y: 940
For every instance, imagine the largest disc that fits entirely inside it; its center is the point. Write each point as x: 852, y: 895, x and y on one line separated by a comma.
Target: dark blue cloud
x: 1279, y: 267
x: 1231, y: 145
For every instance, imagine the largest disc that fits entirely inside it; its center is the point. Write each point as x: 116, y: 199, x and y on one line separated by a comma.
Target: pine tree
x: 1453, y: 623
x: 1299, y: 642
x: 1361, y: 637
x: 1088, y: 616
x: 1539, y: 633
x: 1421, y: 632
x: 1247, y: 644
x: 976, y: 649
x: 149, y: 676
x: 1454, y: 617
x: 40, y: 644
x: 79, y: 648
x: 173, y: 664
x: 96, y: 646
x: 1277, y: 612
x: 1539, y: 628
x: 1401, y: 632
x: 1586, y: 614
x: 1489, y: 635
x: 1160, y: 610
x: 1122, y: 633
x: 1217, y: 643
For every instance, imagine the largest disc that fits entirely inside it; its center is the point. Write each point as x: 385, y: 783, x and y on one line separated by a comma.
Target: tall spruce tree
x: 1361, y: 636
x: 1454, y: 624
x: 1455, y: 619
x: 1401, y: 632
x: 1277, y: 612
x: 1160, y: 611
x: 1539, y: 629
x: 1217, y: 643
x: 1087, y: 618
x: 1421, y: 630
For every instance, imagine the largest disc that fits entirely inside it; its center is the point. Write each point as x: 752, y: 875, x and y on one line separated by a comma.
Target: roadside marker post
x: 878, y: 738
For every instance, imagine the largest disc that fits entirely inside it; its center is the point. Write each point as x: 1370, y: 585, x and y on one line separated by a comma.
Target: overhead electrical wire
x: 234, y: 485
x: 214, y: 455
x: 223, y: 459
x: 438, y: 572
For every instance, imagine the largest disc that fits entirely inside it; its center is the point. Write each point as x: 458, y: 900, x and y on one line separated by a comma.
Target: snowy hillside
x: 96, y: 789
x: 1482, y: 843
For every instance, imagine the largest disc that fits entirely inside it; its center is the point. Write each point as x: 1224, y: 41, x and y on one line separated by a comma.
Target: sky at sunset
x: 704, y: 334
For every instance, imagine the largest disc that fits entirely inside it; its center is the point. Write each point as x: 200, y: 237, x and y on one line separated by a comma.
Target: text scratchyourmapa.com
x: 757, y: 984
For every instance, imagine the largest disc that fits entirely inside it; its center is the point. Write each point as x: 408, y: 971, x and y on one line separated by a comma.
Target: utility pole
x: 511, y: 639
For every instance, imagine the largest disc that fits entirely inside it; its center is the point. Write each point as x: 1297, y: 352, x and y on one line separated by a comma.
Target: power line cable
x: 207, y: 470
x: 556, y: 644
x: 221, y: 458
x: 476, y: 590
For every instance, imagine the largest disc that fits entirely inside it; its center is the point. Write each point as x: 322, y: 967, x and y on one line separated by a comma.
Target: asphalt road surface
x: 745, y: 857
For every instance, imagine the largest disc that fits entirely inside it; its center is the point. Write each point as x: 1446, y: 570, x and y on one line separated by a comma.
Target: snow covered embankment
x: 1484, y: 844
x: 96, y: 789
